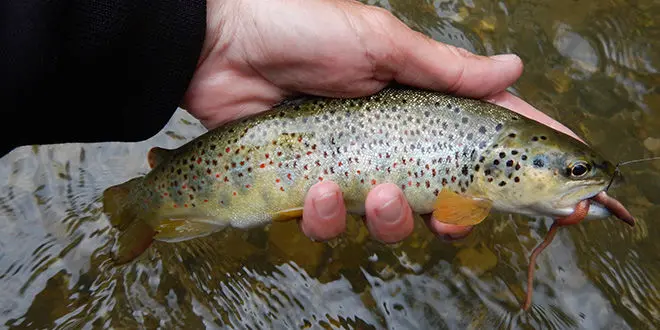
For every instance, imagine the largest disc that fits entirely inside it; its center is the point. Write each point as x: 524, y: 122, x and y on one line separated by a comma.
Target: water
x: 592, y: 64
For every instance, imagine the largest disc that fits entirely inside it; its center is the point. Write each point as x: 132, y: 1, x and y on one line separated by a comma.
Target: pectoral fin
x: 452, y: 208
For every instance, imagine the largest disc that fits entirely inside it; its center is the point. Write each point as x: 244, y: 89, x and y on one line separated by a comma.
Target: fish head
x: 537, y: 171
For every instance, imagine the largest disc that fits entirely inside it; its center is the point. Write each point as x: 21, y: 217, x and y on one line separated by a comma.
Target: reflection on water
x: 591, y: 64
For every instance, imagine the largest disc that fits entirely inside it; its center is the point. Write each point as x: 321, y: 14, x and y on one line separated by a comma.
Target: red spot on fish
x: 453, y: 179
x: 288, y: 176
x: 199, y: 160
x: 428, y: 184
x: 279, y: 164
x: 227, y: 150
x: 206, y: 201
x: 358, y: 171
x: 234, y: 193
x: 427, y: 166
x: 309, y: 153
x: 217, y: 175
x: 165, y: 194
x: 226, y: 179
x: 267, y: 156
x: 279, y: 153
x: 340, y: 163
x: 174, y: 206
x: 394, y: 165
x: 380, y: 155
x: 219, y: 155
x: 346, y: 174
x: 194, y: 177
x: 247, y: 186
x: 409, y: 183
x: 417, y: 184
x: 281, y: 188
x: 306, y: 177
x: 305, y: 167
x: 277, y: 180
x: 183, y: 187
x: 373, y: 182
x: 270, y: 163
x: 242, y: 163
x: 314, y: 147
x: 361, y: 180
x: 297, y: 156
x: 320, y: 178
x: 262, y: 165
x: 325, y: 154
x: 185, y: 205
x: 318, y: 163
x: 300, y: 139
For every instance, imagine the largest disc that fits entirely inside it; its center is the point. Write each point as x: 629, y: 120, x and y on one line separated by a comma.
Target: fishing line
x: 634, y: 161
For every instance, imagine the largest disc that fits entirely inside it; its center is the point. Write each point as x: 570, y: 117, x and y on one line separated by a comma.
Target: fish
x: 456, y: 158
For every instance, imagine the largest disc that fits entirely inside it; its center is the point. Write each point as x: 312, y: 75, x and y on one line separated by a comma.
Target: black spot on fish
x: 516, y: 179
x: 509, y: 163
x: 498, y: 127
x: 502, y: 155
x: 538, y: 162
x: 543, y: 137
x: 465, y: 120
x: 512, y: 135
x: 524, y: 157
x: 464, y: 170
x: 514, y: 152
x: 482, y: 159
x: 482, y: 130
x: 535, y: 138
x: 469, y: 136
x: 476, y: 167
x: 502, y: 183
x: 496, y: 162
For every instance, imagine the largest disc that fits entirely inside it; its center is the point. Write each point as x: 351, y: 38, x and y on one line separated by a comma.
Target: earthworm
x: 615, y: 207
x: 580, y: 212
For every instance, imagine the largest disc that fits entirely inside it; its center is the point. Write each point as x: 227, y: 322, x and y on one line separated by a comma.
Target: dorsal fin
x: 452, y: 208
x: 157, y: 155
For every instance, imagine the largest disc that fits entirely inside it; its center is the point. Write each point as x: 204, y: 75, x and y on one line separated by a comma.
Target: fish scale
x: 257, y: 169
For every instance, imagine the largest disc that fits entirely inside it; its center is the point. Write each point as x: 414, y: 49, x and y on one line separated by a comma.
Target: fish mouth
x: 602, y: 206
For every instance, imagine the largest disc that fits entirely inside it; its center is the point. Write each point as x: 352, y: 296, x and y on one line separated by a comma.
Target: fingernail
x: 391, y: 210
x: 326, y: 205
x: 505, y: 57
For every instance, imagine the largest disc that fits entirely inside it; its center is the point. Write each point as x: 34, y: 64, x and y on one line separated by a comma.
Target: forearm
x: 87, y: 71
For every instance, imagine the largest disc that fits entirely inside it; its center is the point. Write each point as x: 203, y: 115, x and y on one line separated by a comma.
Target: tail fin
x: 136, y: 235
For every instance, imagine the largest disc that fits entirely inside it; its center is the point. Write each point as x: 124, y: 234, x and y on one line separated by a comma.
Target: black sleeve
x: 96, y: 70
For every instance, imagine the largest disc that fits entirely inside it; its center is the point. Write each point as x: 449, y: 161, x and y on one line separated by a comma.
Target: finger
x: 389, y: 217
x: 513, y: 103
x: 417, y: 60
x: 446, y: 231
x: 324, y: 212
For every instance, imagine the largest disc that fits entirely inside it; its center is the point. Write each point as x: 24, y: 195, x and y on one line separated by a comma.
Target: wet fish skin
x: 247, y: 172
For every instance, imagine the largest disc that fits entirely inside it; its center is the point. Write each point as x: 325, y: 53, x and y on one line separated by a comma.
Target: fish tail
x: 136, y: 235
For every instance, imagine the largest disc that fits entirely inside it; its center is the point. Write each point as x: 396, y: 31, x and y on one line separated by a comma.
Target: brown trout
x: 454, y: 157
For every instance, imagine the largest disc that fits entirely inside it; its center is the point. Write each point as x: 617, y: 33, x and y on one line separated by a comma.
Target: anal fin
x: 172, y: 231
x: 289, y: 214
x: 452, y: 208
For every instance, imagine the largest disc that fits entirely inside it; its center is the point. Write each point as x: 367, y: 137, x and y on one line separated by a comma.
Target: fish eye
x: 578, y: 169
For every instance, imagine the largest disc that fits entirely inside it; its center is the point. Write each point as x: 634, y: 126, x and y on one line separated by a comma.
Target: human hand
x: 257, y: 53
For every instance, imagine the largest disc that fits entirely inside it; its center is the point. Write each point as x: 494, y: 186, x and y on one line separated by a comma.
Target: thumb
x: 425, y: 63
